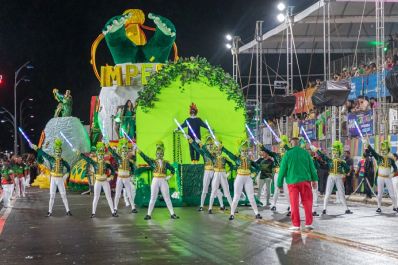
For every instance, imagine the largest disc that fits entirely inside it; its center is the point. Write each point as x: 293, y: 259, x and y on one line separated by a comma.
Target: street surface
x: 28, y: 237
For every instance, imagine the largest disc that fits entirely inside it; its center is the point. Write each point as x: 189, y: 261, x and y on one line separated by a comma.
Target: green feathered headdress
x: 58, y: 145
x: 122, y: 144
x: 338, y: 147
x: 284, y: 140
x: 243, y: 144
x: 159, y: 146
x: 386, y: 145
x: 100, y: 148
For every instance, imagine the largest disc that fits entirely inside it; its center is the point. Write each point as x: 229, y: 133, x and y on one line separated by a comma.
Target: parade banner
x: 365, y: 123
x: 309, y: 127
x: 365, y: 85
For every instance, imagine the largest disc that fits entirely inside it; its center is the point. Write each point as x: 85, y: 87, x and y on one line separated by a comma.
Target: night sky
x: 56, y: 36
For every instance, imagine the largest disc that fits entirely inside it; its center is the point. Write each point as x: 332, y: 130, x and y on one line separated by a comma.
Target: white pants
x: 338, y: 181
x: 380, y: 187
x: 395, y: 185
x: 7, y: 193
x: 125, y: 197
x: 219, y: 178
x: 97, y: 192
x: 120, y: 182
x: 276, y: 190
x: 208, y: 175
x: 54, y: 184
x: 240, y: 183
x: 267, y: 183
x: 27, y: 181
x: 314, y: 199
x: 20, y: 186
x: 162, y: 185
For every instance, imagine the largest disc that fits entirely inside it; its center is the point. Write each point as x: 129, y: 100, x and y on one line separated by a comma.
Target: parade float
x: 143, y: 96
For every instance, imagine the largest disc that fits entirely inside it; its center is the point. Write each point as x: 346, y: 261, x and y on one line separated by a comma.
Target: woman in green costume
x: 127, y: 120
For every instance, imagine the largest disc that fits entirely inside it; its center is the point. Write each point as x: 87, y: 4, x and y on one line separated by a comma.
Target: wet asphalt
x: 29, y: 237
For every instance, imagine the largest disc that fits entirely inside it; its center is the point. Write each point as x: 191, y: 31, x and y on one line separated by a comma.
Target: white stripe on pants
x: 314, y: 199
x: 380, y: 187
x: 267, y: 183
x: 7, y: 193
x: 20, y: 186
x: 54, y: 184
x: 276, y: 190
x: 208, y: 175
x: 120, y: 182
x: 97, y: 192
x: 240, y: 183
x: 338, y: 181
x: 162, y: 185
x: 219, y: 178
x: 125, y: 197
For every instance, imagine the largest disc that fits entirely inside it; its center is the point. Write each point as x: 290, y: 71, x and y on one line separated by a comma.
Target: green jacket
x: 297, y: 166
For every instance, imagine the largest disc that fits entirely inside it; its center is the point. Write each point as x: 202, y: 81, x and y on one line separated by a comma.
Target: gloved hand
x: 33, y: 146
x: 197, y: 141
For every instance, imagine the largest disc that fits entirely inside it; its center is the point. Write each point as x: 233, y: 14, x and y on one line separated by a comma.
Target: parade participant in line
x: 7, y: 182
x: 159, y: 181
x: 384, y: 161
x: 297, y: 167
x: 206, y: 151
x: 266, y: 164
x: 338, y: 168
x: 127, y: 120
x: 283, y: 147
x: 57, y: 175
x: 18, y: 169
x: 100, y: 167
x: 243, y: 180
x: 315, y: 190
x: 196, y: 123
x: 124, y: 173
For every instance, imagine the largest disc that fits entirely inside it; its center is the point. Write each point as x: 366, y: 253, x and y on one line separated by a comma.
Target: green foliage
x: 189, y: 70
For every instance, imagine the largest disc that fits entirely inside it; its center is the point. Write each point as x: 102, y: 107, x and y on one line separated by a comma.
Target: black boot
x: 315, y: 214
x: 147, y: 217
x: 200, y: 209
x: 134, y: 211
x: 231, y: 217
x: 115, y: 214
x: 92, y: 215
x: 273, y: 208
x: 348, y: 211
x: 289, y: 213
x: 258, y: 216
x: 174, y: 216
x: 68, y: 213
x: 395, y: 209
x: 49, y: 214
x: 210, y: 211
x: 324, y: 211
x: 378, y: 210
x: 223, y: 208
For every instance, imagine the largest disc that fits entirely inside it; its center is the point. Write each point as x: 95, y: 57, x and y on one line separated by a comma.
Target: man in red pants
x: 299, y: 170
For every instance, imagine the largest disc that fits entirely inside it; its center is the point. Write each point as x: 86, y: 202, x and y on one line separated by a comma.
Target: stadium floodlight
x: 228, y: 37
x: 281, y: 17
x: 228, y: 46
x: 281, y: 6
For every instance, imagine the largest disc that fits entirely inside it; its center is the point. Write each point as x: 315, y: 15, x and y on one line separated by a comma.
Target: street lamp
x: 228, y: 37
x: 280, y: 17
x: 228, y: 45
x: 16, y: 82
x: 281, y: 6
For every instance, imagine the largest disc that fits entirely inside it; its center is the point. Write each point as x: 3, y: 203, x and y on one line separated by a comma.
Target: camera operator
x: 366, y: 170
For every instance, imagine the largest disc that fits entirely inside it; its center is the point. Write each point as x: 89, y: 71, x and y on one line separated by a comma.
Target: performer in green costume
x: 7, y: 182
x: 100, y: 167
x: 58, y: 175
x: 159, y: 181
x: 127, y: 120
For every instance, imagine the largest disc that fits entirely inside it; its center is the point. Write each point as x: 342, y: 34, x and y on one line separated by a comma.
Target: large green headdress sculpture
x: 337, y: 148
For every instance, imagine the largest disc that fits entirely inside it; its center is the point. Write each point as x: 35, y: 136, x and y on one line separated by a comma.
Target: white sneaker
x: 294, y: 228
x: 309, y: 227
